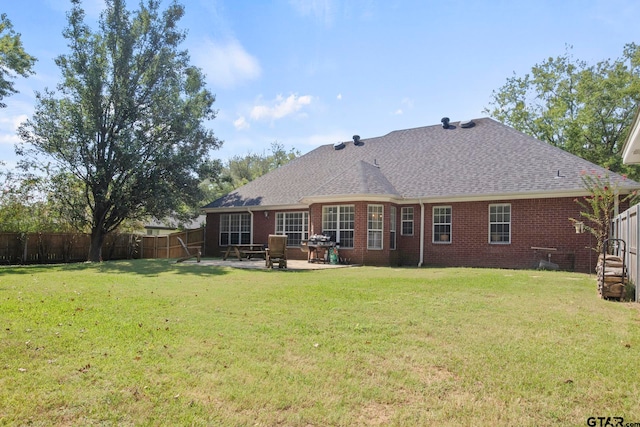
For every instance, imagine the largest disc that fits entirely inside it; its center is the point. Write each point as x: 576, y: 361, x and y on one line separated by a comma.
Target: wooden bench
x: 244, y: 251
x: 249, y: 254
x: 191, y: 252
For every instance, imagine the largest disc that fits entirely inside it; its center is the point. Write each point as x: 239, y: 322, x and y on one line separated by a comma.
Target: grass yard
x: 153, y: 343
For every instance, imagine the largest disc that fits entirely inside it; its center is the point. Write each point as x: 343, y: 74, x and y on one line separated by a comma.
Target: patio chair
x: 190, y: 252
x: 276, y: 251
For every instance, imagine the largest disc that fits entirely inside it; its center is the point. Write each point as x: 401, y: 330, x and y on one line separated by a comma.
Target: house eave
x: 236, y: 209
x: 500, y: 197
x: 631, y: 150
x: 305, y: 202
x: 308, y: 200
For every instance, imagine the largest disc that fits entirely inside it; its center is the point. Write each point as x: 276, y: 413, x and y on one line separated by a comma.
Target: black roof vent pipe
x: 356, y: 140
x: 445, y: 122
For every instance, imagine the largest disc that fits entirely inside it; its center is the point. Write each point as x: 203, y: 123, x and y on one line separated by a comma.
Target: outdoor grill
x: 317, y: 246
x: 319, y: 239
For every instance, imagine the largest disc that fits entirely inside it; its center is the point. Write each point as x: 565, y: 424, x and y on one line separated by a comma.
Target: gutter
x: 421, y: 233
x: 251, y: 225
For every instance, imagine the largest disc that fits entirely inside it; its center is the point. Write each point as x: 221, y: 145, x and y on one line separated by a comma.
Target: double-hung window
x: 339, y: 222
x: 500, y: 223
x: 392, y: 227
x: 374, y: 226
x: 442, y: 224
x: 407, y: 221
x: 235, y: 229
x: 294, y: 225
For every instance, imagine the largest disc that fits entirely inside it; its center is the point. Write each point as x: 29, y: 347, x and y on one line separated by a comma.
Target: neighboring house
x: 475, y: 194
x: 157, y: 227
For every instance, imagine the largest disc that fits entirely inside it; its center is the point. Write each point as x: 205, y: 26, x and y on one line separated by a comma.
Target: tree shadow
x: 154, y: 267
x: 234, y: 199
x: 145, y: 267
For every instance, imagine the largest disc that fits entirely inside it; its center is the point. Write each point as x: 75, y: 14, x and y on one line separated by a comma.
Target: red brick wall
x: 409, y: 246
x: 262, y: 227
x: 534, y: 223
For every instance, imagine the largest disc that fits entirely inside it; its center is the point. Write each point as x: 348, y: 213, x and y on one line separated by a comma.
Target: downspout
x: 421, y: 233
x: 251, y: 226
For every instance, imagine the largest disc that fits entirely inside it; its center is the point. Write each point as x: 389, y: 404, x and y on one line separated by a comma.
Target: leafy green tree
x: 27, y: 204
x: 244, y: 169
x: 13, y: 59
x: 584, y: 109
x: 598, y: 208
x: 239, y: 170
x: 127, y: 127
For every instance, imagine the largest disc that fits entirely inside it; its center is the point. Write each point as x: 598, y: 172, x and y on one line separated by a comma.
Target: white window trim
x: 393, y: 228
x: 377, y: 230
x: 402, y: 221
x: 433, y: 225
x: 305, y: 224
x: 489, y: 227
x: 240, y: 215
x: 338, y: 230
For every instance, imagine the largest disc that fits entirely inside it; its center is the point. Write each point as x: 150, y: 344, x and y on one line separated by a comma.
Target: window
x: 374, y: 226
x: 392, y: 228
x: 407, y: 221
x: 235, y: 229
x: 338, y: 222
x: 500, y: 223
x: 294, y: 225
x: 442, y: 224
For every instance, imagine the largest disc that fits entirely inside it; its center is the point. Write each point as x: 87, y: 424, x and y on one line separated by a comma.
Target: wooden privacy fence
x: 625, y: 227
x: 169, y: 246
x: 48, y: 248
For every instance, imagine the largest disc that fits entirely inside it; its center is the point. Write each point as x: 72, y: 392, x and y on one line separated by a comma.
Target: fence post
x: 637, y: 258
x: 26, y: 243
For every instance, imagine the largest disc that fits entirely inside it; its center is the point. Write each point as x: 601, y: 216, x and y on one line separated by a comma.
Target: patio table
x: 245, y: 250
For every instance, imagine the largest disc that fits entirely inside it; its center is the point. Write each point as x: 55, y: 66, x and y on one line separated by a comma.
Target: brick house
x: 475, y: 193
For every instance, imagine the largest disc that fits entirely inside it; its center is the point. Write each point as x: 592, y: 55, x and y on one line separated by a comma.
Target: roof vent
x: 338, y: 146
x: 468, y: 124
x: 445, y: 122
x: 356, y: 141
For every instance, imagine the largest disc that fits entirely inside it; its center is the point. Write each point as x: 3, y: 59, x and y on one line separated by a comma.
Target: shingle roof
x: 488, y: 160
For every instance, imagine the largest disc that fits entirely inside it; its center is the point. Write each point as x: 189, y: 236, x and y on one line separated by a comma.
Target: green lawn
x: 154, y: 343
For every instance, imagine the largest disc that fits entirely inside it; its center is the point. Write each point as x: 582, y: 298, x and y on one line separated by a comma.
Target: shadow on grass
x: 146, y: 267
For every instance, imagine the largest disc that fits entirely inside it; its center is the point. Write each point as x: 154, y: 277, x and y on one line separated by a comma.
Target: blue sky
x: 309, y: 72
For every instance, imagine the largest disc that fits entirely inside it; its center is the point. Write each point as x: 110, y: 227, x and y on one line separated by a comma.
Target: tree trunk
x: 95, y: 250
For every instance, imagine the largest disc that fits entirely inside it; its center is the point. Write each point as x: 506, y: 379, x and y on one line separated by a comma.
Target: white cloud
x: 398, y: 112
x: 322, y: 10
x: 226, y: 64
x: 12, y: 122
x: 329, y: 138
x: 408, y: 102
x: 9, y: 139
x: 241, y: 123
x: 339, y: 97
x: 281, y: 107
x: 8, y: 128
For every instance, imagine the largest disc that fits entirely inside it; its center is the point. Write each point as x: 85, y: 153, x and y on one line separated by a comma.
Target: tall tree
x: 239, y: 170
x: 584, y: 109
x: 128, y: 125
x: 13, y: 59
